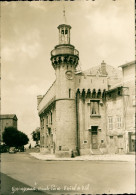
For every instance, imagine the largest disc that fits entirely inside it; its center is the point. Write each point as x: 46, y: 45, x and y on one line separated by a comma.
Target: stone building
x: 121, y: 112
x: 7, y: 120
x: 84, y: 112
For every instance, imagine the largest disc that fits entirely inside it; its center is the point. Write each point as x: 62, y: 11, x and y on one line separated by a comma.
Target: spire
x: 64, y: 15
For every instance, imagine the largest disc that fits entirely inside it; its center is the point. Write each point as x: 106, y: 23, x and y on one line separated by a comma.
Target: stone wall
x: 85, y: 123
x: 115, y: 134
x: 48, y: 130
x: 129, y: 104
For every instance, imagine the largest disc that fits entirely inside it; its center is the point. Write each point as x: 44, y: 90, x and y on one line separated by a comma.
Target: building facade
x: 7, y: 120
x: 84, y: 112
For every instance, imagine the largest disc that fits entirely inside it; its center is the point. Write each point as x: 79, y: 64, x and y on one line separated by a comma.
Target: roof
x: 127, y: 64
x: 8, y: 116
x: 111, y: 71
x: 115, y: 87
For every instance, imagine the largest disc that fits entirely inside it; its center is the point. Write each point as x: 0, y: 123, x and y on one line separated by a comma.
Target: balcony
x: 64, y: 49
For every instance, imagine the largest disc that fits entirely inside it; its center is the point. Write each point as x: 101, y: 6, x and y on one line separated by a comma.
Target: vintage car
x: 12, y: 150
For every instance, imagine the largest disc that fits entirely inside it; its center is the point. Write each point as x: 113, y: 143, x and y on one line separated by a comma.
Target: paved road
x: 59, y: 177
x: 11, y: 185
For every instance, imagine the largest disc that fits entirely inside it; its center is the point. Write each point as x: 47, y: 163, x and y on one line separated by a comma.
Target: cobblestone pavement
x: 108, y: 157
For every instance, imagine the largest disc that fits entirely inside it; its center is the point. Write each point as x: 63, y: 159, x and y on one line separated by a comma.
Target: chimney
x: 39, y: 99
x: 103, y: 68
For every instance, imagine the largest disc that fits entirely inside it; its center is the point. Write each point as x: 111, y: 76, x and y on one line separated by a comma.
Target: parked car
x: 21, y: 149
x: 4, y: 148
x: 12, y: 150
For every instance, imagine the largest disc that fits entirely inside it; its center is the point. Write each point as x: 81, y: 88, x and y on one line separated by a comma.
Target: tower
x: 64, y: 58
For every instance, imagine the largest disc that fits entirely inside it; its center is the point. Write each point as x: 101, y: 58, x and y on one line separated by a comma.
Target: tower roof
x: 62, y: 25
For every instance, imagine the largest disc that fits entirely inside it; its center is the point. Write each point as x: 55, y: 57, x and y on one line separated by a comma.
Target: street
x: 23, y: 174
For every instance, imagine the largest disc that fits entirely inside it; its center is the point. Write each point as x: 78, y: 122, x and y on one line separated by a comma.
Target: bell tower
x: 64, y: 34
x: 64, y: 58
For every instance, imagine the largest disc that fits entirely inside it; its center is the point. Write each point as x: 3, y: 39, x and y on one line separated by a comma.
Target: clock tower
x: 64, y: 58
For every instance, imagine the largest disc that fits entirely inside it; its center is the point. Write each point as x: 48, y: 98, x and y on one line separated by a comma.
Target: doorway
x: 94, y: 138
x: 132, y: 142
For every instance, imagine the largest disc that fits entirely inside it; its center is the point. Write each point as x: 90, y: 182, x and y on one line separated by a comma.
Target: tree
x: 36, y: 135
x: 14, y: 137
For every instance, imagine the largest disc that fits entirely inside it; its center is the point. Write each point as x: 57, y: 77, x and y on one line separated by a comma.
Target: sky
x: 101, y: 30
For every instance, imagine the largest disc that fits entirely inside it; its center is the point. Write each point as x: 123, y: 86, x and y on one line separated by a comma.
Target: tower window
x: 59, y: 147
x: 47, y: 120
x: 51, y: 117
x: 62, y: 31
x: 49, y: 131
x: 69, y: 93
x: 66, y: 31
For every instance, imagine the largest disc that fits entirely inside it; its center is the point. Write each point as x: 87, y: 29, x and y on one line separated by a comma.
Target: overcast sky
x: 101, y: 30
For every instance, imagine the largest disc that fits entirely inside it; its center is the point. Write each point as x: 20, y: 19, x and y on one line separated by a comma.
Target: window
x: 94, y: 107
x: 49, y: 131
x: 62, y: 31
x: 69, y: 93
x: 43, y: 123
x: 119, y: 92
x: 51, y: 117
x: 59, y: 147
x: 85, y: 141
x: 47, y: 120
x: 120, y: 136
x: 94, y: 130
x: 119, y: 121
x: 66, y: 31
x: 110, y: 122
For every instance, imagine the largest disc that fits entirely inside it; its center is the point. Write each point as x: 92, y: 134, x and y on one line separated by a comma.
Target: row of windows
x: 114, y: 121
x: 48, y: 120
x: 64, y: 31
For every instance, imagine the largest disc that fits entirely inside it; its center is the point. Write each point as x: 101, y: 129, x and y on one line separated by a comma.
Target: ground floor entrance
x: 94, y: 137
x: 50, y: 143
x: 132, y: 142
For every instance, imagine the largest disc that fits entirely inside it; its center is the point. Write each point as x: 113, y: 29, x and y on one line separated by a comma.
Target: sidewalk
x: 106, y: 157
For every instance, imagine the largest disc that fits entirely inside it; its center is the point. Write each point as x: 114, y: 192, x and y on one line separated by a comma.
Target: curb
x: 74, y: 159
